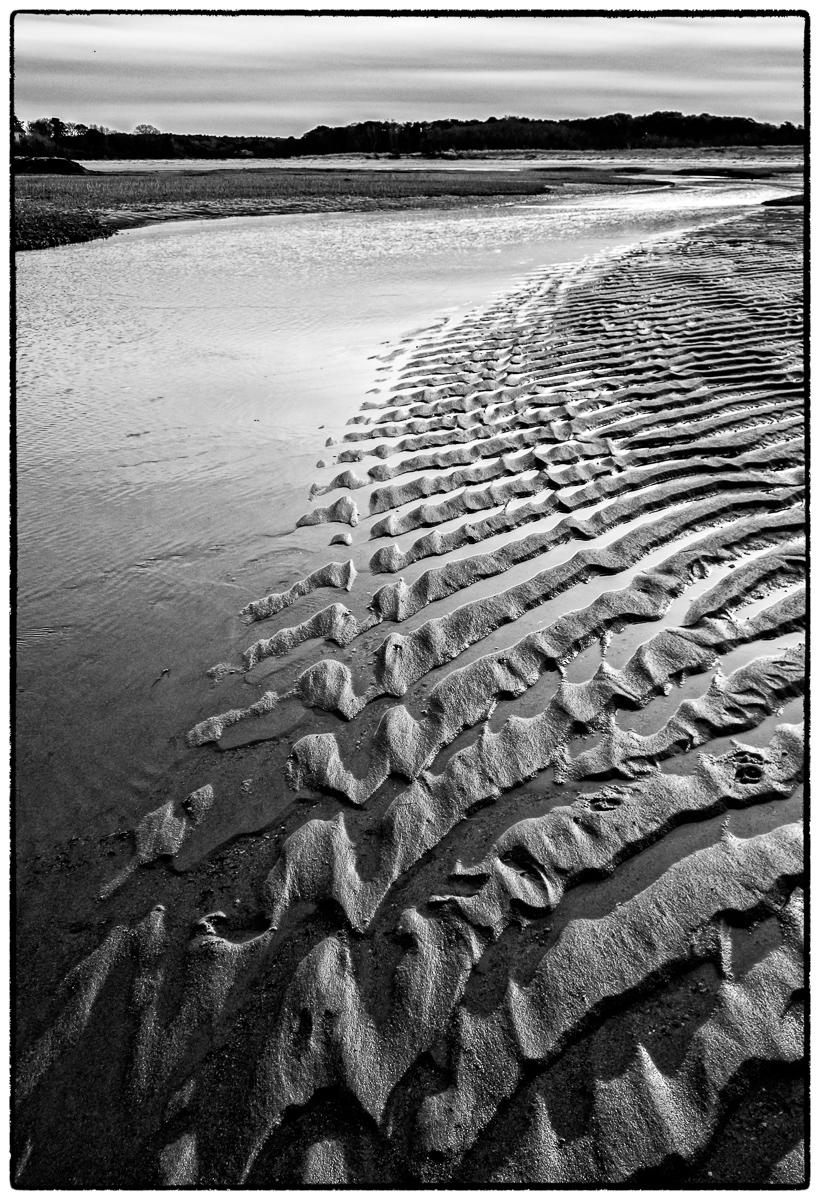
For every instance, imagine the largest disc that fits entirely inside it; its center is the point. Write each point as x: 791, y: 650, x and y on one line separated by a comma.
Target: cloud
x: 282, y: 74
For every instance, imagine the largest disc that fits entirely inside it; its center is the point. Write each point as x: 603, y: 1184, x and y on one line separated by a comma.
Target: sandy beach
x: 482, y: 861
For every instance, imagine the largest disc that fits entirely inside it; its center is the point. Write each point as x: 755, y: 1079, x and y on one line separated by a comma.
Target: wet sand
x: 524, y: 905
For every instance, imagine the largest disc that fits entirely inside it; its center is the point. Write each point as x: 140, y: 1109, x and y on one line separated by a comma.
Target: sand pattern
x: 546, y: 925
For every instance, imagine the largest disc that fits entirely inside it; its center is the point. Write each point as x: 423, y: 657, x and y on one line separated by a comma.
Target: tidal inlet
x: 410, y: 602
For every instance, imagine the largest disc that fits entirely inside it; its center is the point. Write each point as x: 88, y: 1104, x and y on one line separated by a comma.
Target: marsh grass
x: 155, y: 187
x: 53, y: 209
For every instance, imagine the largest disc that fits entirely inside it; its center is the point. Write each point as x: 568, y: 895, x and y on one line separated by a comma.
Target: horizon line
x: 433, y: 121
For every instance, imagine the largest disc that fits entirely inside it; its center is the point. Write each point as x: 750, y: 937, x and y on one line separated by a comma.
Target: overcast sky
x: 283, y: 75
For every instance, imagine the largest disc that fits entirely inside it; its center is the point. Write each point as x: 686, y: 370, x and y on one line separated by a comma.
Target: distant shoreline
x: 447, y: 138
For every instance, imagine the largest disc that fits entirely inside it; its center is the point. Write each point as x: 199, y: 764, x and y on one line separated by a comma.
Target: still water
x: 175, y: 386
x: 739, y: 156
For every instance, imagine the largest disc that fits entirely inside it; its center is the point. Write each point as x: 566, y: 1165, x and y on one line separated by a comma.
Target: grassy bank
x: 52, y: 210
x: 37, y: 226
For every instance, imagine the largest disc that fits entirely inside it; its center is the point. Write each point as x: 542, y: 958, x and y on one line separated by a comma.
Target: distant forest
x: 50, y: 136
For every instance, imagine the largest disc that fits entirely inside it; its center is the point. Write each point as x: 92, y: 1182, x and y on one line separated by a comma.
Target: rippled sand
x: 524, y: 907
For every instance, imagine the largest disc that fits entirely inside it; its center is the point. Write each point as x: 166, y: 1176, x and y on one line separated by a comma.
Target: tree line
x: 51, y: 136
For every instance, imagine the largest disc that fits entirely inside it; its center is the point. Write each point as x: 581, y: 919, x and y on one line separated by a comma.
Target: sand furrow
x: 398, y: 601
x: 321, y: 859
x: 596, y: 964
x: 332, y: 575
x: 395, y: 495
x: 673, y: 924
x: 393, y: 559
x: 343, y: 510
x: 403, y: 660
x: 750, y: 580
x: 404, y: 747
x: 678, y: 1114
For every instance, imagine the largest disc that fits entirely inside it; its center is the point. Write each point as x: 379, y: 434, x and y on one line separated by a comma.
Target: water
x: 175, y: 389
x: 739, y: 156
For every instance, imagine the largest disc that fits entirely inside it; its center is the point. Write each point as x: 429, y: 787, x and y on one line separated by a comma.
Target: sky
x: 282, y: 75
